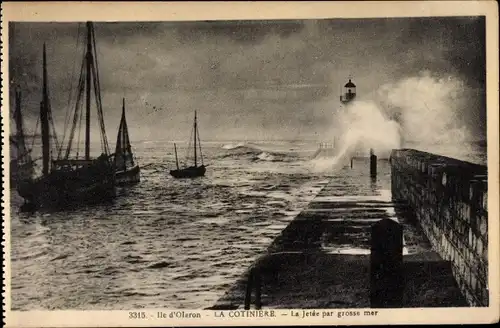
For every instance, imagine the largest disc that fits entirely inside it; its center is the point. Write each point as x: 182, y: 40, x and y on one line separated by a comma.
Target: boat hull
x: 189, y: 172
x: 20, y: 172
x: 127, y: 177
x: 61, y: 189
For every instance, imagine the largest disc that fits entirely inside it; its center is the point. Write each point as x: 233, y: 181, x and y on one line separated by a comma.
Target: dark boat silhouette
x: 127, y: 171
x: 21, y: 163
x: 194, y: 170
x: 70, y: 179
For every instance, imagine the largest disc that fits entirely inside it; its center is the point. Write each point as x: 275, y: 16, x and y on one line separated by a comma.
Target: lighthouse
x: 349, y: 92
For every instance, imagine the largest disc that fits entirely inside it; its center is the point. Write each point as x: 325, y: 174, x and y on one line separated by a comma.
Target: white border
x: 177, y: 11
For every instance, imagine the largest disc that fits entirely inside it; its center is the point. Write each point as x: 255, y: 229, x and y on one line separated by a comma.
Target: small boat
x: 127, y: 171
x: 21, y: 163
x: 194, y: 170
x: 70, y: 179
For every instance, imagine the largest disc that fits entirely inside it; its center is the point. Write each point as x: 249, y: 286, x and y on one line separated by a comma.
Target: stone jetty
x: 322, y: 259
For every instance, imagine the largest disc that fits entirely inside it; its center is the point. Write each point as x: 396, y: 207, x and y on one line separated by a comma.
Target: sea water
x: 165, y: 242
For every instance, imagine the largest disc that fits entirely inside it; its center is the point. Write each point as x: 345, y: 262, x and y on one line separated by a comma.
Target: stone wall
x: 450, y: 200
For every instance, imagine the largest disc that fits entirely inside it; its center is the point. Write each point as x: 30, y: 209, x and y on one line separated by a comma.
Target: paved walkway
x: 321, y: 259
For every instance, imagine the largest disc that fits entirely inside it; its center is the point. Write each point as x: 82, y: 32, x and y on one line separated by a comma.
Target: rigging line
x: 51, y: 119
x: 75, y: 108
x: 99, y: 112
x: 34, y: 133
x: 128, y: 146
x: 104, y: 145
x: 24, y: 157
x: 199, y: 146
x: 187, y: 158
x: 75, y: 104
x: 78, y: 111
x: 70, y: 98
x: 75, y: 116
x: 14, y: 141
x: 79, y: 138
x: 99, y: 90
x: 54, y: 132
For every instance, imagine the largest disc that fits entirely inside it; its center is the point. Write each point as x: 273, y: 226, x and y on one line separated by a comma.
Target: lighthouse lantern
x: 349, y: 92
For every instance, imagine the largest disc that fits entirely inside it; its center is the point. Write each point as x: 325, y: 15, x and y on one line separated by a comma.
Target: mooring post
x: 373, y: 164
x: 248, y: 294
x: 257, y: 280
x: 351, y: 162
x: 386, y: 265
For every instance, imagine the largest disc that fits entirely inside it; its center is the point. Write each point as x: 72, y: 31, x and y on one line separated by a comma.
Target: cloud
x: 247, y: 79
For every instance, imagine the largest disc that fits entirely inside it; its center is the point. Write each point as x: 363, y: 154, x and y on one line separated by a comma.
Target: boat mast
x: 88, y: 73
x: 199, y: 145
x: 124, y: 145
x: 19, y: 125
x: 123, y: 130
x: 123, y: 109
x: 195, y: 130
x: 176, y: 159
x: 44, y: 118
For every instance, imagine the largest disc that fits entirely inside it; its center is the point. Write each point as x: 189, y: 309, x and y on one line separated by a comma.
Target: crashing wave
x: 265, y: 156
x: 232, y: 146
x: 255, y: 153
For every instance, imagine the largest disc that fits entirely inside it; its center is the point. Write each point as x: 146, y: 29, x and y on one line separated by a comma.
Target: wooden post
x: 386, y: 265
x: 257, y: 280
x: 248, y: 294
x: 373, y: 164
x: 351, y: 162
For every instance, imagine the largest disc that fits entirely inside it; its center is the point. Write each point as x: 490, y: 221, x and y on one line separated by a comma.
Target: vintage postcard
x: 250, y: 163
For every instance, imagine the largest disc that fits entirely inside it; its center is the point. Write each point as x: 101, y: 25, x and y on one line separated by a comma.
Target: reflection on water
x: 165, y: 242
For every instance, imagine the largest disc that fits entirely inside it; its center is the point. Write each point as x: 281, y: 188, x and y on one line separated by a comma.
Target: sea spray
x: 332, y: 164
x: 365, y: 125
x: 428, y: 107
x: 361, y: 125
x: 421, y: 111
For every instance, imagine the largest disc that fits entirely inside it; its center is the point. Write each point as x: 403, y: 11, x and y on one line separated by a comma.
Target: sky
x: 260, y: 80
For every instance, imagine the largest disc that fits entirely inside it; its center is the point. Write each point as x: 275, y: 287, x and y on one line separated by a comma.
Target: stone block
x: 482, y: 271
x: 466, y: 274
x: 483, y: 225
x: 479, y: 246
x: 485, y: 297
x: 474, y: 262
x: 471, y: 191
x: 485, y: 200
x: 473, y: 283
x: 473, y: 222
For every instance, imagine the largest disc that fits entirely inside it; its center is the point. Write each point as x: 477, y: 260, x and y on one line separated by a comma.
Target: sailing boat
x: 195, y: 170
x: 21, y: 164
x: 127, y: 171
x: 72, y: 180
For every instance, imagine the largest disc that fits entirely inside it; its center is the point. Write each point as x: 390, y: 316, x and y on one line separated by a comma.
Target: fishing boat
x: 127, y: 171
x: 21, y: 163
x: 72, y: 179
x: 194, y: 170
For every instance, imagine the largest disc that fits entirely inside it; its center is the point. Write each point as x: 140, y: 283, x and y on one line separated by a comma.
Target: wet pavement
x: 322, y: 258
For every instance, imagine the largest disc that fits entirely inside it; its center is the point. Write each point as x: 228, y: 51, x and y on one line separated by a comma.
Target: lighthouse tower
x: 349, y: 92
